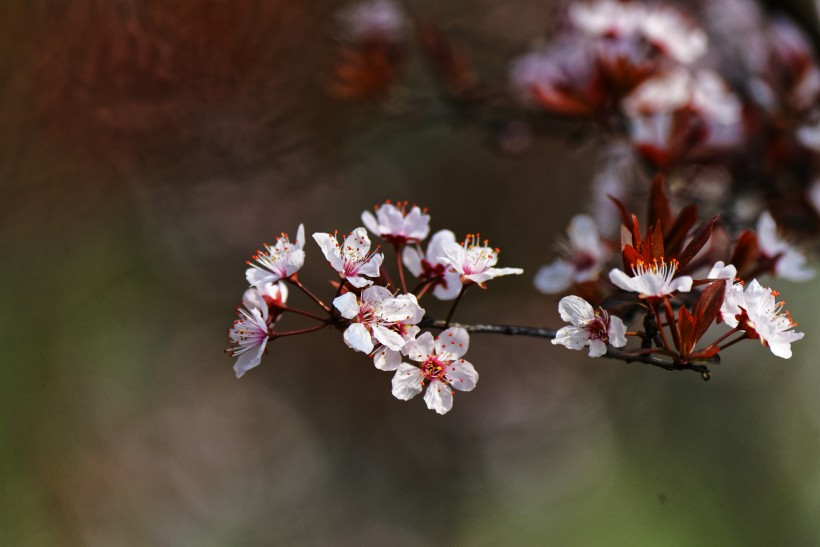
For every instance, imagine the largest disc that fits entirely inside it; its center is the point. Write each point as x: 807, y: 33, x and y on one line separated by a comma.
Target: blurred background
x: 148, y: 148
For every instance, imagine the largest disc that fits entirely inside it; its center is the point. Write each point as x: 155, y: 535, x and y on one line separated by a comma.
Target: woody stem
x: 455, y: 305
x: 295, y: 281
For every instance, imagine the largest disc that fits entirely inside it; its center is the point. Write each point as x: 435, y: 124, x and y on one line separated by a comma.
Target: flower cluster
x: 376, y: 316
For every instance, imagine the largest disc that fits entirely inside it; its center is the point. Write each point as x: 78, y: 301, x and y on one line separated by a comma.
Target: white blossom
x: 374, y: 316
x: 791, y: 262
x: 584, y: 254
x: 248, y: 337
x: 431, y: 265
x: 755, y: 310
x: 474, y: 262
x: 393, y: 223
x: 588, y: 327
x: 353, y: 259
x: 441, y: 368
x: 279, y: 261
x: 652, y: 280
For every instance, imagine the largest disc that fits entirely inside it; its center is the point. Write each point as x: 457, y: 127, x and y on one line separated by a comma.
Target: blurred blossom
x: 617, y: 169
x: 583, y: 254
x: 791, y: 262
x: 379, y: 20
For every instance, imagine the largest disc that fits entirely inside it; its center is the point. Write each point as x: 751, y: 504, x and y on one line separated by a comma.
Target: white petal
x: 358, y: 337
x: 452, y: 343
x: 498, y: 272
x: 583, y: 235
x: 722, y: 271
x: 296, y: 260
x: 252, y: 299
x: 571, y: 337
x: 389, y: 338
x: 248, y: 360
x: 617, y: 332
x: 555, y: 278
x: 376, y: 294
x: 453, y: 282
x: 621, y: 280
x: 357, y: 243
x: 256, y: 276
x: 411, y: 257
x: 574, y: 309
x: 781, y: 349
x: 371, y: 267
x: 330, y: 248
x: 461, y: 375
x: 407, y: 382
x: 347, y: 304
x: 767, y: 237
x: 401, y: 308
x: 421, y: 348
x: 300, y: 236
x: 387, y: 359
x: 370, y: 222
x: 436, y: 247
x: 359, y: 282
x: 596, y: 348
x: 681, y: 284
x: 439, y: 397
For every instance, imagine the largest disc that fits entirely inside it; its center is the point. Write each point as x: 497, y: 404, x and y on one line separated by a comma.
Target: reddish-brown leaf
x: 657, y: 241
x: 746, y: 251
x: 625, y: 218
x: 701, y: 238
x: 686, y: 327
x: 707, y: 307
x: 659, y: 209
x: 676, y: 236
x: 631, y: 257
x: 636, y: 232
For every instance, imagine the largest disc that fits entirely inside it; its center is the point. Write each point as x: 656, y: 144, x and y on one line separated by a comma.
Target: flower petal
x: 617, y: 332
x: 347, y: 304
x: 330, y: 248
x: 461, y: 375
x: 387, y: 359
x: 574, y: 309
x: 249, y: 359
x: 389, y: 338
x: 452, y: 344
x: 407, y: 382
x: 596, y: 347
x: 555, y: 278
x: 439, y: 397
x: 571, y: 337
x: 358, y: 337
x: 421, y: 348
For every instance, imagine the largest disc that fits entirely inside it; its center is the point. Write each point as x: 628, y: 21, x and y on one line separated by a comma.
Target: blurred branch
x: 549, y: 334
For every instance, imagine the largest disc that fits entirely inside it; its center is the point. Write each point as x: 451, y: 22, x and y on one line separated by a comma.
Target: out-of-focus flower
x: 381, y: 20
x: 248, y: 337
x: 791, y: 262
x: 279, y: 261
x: 353, y: 259
x: 474, y: 262
x: 583, y: 256
x: 809, y: 136
x: 755, y: 311
x: 650, y: 280
x: 374, y: 316
x: 394, y: 224
x: 589, y: 327
x: 675, y: 112
x: 441, y: 368
x: 432, y: 266
x: 664, y: 27
x: 723, y: 271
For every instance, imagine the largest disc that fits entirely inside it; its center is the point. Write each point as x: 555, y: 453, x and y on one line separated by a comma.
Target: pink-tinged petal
x: 372, y: 266
x: 295, y: 261
x: 574, y: 309
x: 249, y: 359
x: 781, y: 349
x: 370, y: 222
x: 723, y: 271
x: 411, y: 257
x: 376, y: 294
x: 347, y: 304
x: 421, y: 348
x: 498, y: 272
x: 452, y: 343
x: 583, y: 235
x: 330, y: 248
x: 621, y: 280
x: 418, y: 224
x: 435, y: 249
x: 359, y: 282
x: 452, y: 288
x: 681, y: 284
x: 407, y: 382
x: 300, y: 236
x: 358, y: 337
x: 461, y: 375
x: 617, y: 332
x: 453, y: 254
x: 555, y: 278
x: 387, y: 359
x: 389, y: 338
x: 402, y: 308
x: 439, y: 397
x: 357, y: 243
x: 252, y: 299
x: 479, y: 277
x: 596, y: 348
x: 257, y: 276
x: 571, y: 337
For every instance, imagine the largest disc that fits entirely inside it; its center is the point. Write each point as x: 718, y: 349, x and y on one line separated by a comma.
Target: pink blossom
x: 353, y: 259
x: 394, y: 224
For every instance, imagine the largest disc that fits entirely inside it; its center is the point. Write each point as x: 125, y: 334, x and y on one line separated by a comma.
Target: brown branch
x: 549, y: 334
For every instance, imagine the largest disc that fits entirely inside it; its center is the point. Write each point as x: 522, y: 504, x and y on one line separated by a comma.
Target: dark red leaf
x: 746, y: 251
x: 707, y: 307
x: 659, y: 209
x: 631, y: 257
x: 701, y: 238
x: 636, y: 233
x: 676, y: 236
x: 657, y: 241
x: 625, y: 218
x: 686, y: 327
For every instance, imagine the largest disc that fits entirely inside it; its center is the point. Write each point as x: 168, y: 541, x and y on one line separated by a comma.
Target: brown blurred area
x: 150, y: 147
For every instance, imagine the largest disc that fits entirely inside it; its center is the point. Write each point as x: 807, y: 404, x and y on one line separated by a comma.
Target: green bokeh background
x: 149, y: 147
